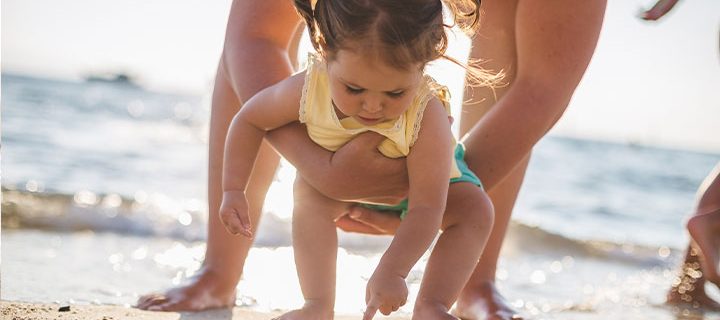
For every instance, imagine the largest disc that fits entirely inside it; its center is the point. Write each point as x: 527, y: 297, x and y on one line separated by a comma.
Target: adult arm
x: 254, y: 40
x: 384, y: 181
x: 660, y: 8
x: 555, y: 41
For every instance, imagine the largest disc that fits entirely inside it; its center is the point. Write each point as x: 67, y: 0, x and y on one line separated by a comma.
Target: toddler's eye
x: 396, y: 94
x: 352, y: 90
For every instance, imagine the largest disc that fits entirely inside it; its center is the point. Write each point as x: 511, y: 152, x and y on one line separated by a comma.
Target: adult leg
x: 705, y: 231
x: 704, y: 227
x: 688, y: 288
x: 543, y: 66
x: 315, y: 247
x: 494, y: 43
x: 254, y: 57
x: 701, y: 259
x: 466, y: 226
x: 480, y: 298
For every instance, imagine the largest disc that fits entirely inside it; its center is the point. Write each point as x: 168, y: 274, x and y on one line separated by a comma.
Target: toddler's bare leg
x: 466, y: 226
x: 315, y: 246
x: 480, y: 297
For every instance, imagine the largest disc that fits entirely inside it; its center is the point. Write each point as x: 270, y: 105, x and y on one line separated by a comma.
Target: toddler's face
x: 369, y: 90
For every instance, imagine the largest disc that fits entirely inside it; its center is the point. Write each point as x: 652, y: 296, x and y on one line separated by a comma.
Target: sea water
x: 104, y: 189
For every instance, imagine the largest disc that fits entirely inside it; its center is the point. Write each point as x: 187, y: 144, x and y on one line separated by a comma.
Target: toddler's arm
x: 269, y: 109
x: 429, y: 165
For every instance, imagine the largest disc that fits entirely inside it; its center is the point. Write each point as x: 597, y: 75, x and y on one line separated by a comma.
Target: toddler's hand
x: 386, y: 293
x: 234, y: 213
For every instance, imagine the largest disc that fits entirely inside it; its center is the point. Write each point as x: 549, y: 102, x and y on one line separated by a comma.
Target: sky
x: 648, y: 83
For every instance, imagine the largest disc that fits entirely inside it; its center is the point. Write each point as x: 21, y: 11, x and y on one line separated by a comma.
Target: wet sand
x: 40, y: 311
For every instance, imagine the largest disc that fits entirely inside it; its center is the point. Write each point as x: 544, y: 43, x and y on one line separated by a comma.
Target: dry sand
x: 38, y: 311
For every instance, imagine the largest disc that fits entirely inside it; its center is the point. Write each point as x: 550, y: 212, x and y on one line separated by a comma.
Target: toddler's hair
x: 401, y: 33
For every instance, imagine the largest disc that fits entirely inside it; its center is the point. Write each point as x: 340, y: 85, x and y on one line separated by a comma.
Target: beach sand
x: 40, y: 311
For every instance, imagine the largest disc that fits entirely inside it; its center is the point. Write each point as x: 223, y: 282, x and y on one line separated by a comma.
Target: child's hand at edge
x: 234, y: 213
x: 385, y: 292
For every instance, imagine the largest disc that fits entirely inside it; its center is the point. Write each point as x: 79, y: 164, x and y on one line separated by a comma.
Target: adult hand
x: 364, y: 220
x: 658, y: 10
x: 381, y: 177
x: 336, y: 175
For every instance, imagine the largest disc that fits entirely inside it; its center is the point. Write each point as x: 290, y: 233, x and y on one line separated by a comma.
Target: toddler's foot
x: 204, y: 291
x: 431, y: 311
x: 705, y: 232
x: 483, y: 301
x: 309, y: 312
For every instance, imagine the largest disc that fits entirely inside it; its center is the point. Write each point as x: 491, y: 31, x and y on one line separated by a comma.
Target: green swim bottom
x: 467, y: 176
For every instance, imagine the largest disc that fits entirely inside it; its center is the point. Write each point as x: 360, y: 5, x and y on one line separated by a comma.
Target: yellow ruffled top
x: 327, y: 130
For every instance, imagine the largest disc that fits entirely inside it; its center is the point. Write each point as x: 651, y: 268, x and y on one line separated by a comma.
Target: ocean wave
x: 144, y: 215
x: 526, y: 239
x: 158, y: 216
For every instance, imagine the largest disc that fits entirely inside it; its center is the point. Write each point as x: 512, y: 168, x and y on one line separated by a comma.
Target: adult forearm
x: 255, y: 57
x: 382, y: 179
x: 255, y: 53
x: 555, y: 41
x: 507, y: 133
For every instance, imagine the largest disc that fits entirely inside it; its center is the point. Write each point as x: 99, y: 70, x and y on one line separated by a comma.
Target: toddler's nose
x: 371, y: 106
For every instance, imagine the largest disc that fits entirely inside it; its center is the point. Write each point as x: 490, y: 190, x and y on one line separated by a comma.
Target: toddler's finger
x: 245, y: 226
x: 371, y: 309
x: 227, y: 217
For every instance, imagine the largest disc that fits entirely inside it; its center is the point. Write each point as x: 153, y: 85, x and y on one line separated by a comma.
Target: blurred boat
x: 112, y: 78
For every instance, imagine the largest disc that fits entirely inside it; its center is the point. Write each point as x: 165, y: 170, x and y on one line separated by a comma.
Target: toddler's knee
x: 480, y: 214
x: 303, y: 194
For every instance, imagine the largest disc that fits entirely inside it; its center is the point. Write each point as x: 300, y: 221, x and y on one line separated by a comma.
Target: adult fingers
x: 366, y: 140
x: 347, y: 224
x: 382, y: 221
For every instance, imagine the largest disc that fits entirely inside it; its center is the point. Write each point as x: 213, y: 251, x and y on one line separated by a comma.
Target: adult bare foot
x: 705, y: 231
x: 688, y: 289
x: 206, y: 290
x: 483, y: 301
